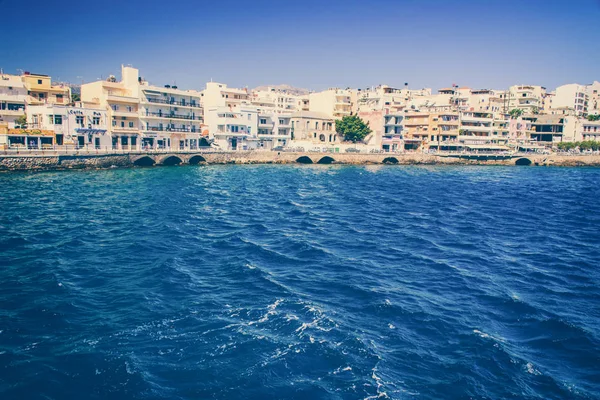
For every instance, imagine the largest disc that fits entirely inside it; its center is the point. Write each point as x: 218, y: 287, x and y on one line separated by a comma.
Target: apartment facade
x: 313, y: 128
x: 571, y: 97
x: 333, y: 102
x: 40, y: 90
x: 233, y: 129
x: 13, y: 98
x: 528, y: 98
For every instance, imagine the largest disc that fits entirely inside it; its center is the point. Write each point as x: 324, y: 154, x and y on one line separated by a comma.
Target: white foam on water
x: 531, y: 369
x: 488, y: 336
x: 391, y: 326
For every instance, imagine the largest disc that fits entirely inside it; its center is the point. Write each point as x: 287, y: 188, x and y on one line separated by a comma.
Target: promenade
x: 59, y: 159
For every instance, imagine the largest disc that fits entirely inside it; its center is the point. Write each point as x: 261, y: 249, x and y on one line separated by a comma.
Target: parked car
x: 278, y: 148
x: 352, y: 150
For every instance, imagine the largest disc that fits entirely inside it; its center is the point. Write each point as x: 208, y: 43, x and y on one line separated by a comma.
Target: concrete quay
x: 52, y: 160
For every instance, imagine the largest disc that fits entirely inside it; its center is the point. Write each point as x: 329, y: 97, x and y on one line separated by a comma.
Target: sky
x: 313, y: 44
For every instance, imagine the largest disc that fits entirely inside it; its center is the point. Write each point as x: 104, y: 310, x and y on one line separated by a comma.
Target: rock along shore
x: 49, y: 161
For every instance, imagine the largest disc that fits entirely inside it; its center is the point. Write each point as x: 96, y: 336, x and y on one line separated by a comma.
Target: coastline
x: 54, y: 161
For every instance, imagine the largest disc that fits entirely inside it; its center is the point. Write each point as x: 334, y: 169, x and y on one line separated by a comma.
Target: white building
x: 593, y: 92
x: 13, y: 96
x: 274, y: 130
x: 170, y: 118
x: 219, y: 95
x: 79, y: 127
x: 233, y: 128
x: 571, y: 97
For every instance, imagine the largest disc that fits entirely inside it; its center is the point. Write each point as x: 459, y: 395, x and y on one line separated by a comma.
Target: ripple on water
x: 300, y: 282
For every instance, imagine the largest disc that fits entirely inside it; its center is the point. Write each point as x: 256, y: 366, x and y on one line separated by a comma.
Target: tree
x: 75, y: 97
x: 21, y: 121
x: 593, y: 117
x: 352, y: 128
x: 515, y: 113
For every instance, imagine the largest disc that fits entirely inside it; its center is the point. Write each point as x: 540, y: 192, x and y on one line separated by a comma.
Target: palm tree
x: 515, y: 113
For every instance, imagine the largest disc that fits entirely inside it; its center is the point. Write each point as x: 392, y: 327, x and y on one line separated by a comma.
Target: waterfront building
x: 313, y: 128
x: 416, y: 130
x: 483, y: 131
x: 333, y: 102
x: 72, y: 126
x: 120, y: 100
x: 274, y: 130
x: 392, y: 136
x: 444, y: 130
x: 590, y: 130
x: 170, y: 118
x: 550, y: 129
x: 40, y: 90
x: 13, y: 96
x: 233, y: 128
x: 528, y: 98
x: 571, y: 97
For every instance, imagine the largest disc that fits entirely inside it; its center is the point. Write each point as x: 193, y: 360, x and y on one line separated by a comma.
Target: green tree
x: 75, y: 97
x: 21, y: 121
x: 515, y: 113
x: 595, y: 117
x: 352, y: 128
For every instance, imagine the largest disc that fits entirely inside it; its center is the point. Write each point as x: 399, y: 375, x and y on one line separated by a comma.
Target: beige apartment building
x: 572, y: 97
x: 40, y: 90
x: 120, y: 99
x: 309, y: 127
x: 528, y: 98
x: 13, y: 97
x: 335, y: 103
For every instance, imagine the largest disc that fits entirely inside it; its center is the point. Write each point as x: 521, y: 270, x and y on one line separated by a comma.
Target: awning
x: 85, y: 131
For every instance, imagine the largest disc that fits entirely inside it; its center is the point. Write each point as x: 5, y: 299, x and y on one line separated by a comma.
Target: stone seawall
x: 41, y: 162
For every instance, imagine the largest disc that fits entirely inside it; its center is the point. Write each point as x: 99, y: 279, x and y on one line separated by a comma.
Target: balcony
x: 121, y: 113
x: 123, y: 129
x: 165, y: 129
x: 172, y: 102
x: 172, y: 116
x: 117, y: 98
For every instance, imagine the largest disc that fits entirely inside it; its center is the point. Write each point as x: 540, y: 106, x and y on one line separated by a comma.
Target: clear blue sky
x: 307, y: 43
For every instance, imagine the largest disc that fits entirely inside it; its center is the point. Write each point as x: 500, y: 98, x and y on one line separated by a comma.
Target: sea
x: 301, y: 282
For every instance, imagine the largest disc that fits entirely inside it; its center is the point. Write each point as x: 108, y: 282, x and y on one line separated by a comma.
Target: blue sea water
x: 301, y: 282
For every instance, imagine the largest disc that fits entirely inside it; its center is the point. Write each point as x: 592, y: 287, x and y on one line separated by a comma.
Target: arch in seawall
x: 326, y: 160
x: 171, y: 160
x: 197, y: 159
x: 390, y: 160
x: 144, y: 161
x: 304, y: 160
x: 523, y: 161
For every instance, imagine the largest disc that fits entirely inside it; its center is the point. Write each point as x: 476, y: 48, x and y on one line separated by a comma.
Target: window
x: 249, y: 117
x: 59, y: 97
x: 39, y: 81
x: 263, y: 121
x: 96, y: 121
x: 114, y: 107
x: 114, y: 122
x: 129, y: 108
x: 122, y: 124
x: 131, y: 124
x: 79, y: 120
x: 57, y: 119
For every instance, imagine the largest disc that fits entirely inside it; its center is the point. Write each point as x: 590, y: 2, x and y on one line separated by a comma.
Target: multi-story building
x: 549, y: 129
x: 276, y: 101
x: 528, y: 98
x: 593, y: 92
x: 309, y: 127
x: 120, y: 100
x: 392, y: 136
x: 13, y: 97
x: 573, y: 97
x: 590, y: 130
x: 335, y: 103
x: 416, y: 130
x: 40, y: 90
x: 219, y: 95
x: 444, y: 130
x: 147, y: 116
x: 233, y: 128
x: 170, y: 118
x: 76, y: 126
x: 274, y: 130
